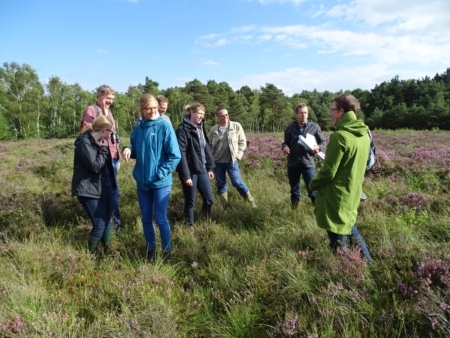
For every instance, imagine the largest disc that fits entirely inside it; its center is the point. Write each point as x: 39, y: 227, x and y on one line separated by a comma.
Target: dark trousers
x: 294, y: 174
x: 203, y: 184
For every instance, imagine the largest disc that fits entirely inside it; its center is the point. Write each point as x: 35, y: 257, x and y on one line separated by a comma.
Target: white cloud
x: 295, y: 80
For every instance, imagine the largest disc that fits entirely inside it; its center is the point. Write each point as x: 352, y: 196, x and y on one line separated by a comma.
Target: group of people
x: 158, y: 150
x: 198, y: 157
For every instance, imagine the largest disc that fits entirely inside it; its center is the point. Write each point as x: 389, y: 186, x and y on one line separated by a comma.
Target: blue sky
x: 294, y: 44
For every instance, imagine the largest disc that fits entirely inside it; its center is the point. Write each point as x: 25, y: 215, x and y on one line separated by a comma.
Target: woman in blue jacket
x: 155, y: 148
x: 93, y: 180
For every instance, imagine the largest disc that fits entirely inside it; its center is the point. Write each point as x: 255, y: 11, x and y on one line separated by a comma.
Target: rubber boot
x: 93, y: 244
x: 250, y: 198
x: 224, y: 197
x: 106, y: 241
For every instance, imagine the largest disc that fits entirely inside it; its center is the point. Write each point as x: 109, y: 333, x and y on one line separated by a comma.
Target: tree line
x: 29, y: 109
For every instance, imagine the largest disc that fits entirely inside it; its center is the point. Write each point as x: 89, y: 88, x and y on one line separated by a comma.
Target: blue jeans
x: 294, y: 174
x: 99, y: 211
x: 235, y: 176
x: 355, y: 238
x: 203, y: 184
x: 116, y: 216
x: 154, y: 202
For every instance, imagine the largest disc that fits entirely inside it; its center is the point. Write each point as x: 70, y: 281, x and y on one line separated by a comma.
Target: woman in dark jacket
x: 93, y: 180
x: 197, y: 162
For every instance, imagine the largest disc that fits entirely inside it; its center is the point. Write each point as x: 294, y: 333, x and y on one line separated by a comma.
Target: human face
x: 150, y: 112
x: 162, y: 108
x: 223, y: 117
x: 197, y: 116
x: 105, y: 101
x: 336, y: 114
x: 302, y: 115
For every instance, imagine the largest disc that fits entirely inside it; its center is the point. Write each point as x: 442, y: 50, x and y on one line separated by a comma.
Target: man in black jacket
x: 300, y: 160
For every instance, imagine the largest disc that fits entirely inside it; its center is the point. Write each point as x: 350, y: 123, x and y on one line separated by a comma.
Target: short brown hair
x: 161, y: 99
x: 300, y: 105
x: 195, y: 107
x: 347, y: 102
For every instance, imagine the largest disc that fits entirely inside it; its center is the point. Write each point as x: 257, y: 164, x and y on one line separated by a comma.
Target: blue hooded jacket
x: 155, y: 148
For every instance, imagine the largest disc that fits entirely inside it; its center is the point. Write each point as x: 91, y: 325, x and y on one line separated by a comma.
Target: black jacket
x: 300, y: 156
x: 88, y: 162
x: 191, y: 156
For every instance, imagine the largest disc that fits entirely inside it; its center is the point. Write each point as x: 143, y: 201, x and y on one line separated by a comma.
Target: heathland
x: 264, y: 272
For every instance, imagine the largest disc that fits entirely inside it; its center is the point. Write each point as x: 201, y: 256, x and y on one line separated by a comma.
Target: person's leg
x: 161, y: 202
x: 221, y: 179
x: 308, y: 174
x: 337, y: 241
x: 146, y: 204
x: 108, y: 204
x: 189, y: 199
x: 294, y: 182
x: 116, y: 197
x: 97, y: 217
x: 204, y: 187
x: 235, y: 177
x: 357, y: 238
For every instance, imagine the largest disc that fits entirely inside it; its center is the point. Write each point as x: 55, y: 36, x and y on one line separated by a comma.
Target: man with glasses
x: 228, y: 142
x: 339, y: 181
x: 300, y: 159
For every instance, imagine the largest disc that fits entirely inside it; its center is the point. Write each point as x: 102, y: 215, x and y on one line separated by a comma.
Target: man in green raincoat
x: 339, y: 181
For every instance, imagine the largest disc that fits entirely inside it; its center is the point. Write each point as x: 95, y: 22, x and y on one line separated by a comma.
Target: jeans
x: 235, y: 176
x: 294, y: 174
x: 99, y: 212
x: 154, y: 203
x: 116, y: 216
x: 355, y: 238
x: 203, y: 184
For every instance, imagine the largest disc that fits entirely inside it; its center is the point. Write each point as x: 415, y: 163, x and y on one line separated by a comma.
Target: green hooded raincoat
x: 339, y: 181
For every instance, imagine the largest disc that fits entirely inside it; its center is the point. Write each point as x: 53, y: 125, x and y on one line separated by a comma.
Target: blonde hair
x: 145, y: 101
x: 99, y: 124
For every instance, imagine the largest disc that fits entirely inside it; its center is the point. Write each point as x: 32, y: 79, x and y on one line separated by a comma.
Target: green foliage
x: 263, y: 272
x: 422, y: 104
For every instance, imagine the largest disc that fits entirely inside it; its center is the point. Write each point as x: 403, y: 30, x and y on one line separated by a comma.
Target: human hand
x: 286, y: 150
x: 102, y: 142
x: 315, y: 150
x: 126, y: 153
x: 211, y: 175
x: 188, y: 182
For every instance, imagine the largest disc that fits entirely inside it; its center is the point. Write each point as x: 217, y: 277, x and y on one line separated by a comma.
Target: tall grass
x: 264, y: 272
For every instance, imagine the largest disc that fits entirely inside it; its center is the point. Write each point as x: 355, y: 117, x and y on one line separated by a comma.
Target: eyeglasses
x: 224, y: 115
x: 331, y: 109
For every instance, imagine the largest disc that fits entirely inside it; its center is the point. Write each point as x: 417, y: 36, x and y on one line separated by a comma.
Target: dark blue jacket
x: 89, y: 160
x: 191, y: 153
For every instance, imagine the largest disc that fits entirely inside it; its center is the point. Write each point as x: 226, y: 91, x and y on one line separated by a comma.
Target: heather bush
x: 264, y: 272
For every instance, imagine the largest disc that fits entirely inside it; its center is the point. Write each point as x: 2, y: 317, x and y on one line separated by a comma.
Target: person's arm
x: 183, y: 167
x: 287, y: 141
x: 92, y: 156
x: 335, y: 152
x: 321, y: 142
x: 172, y: 152
x: 88, y: 116
x: 242, y: 141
